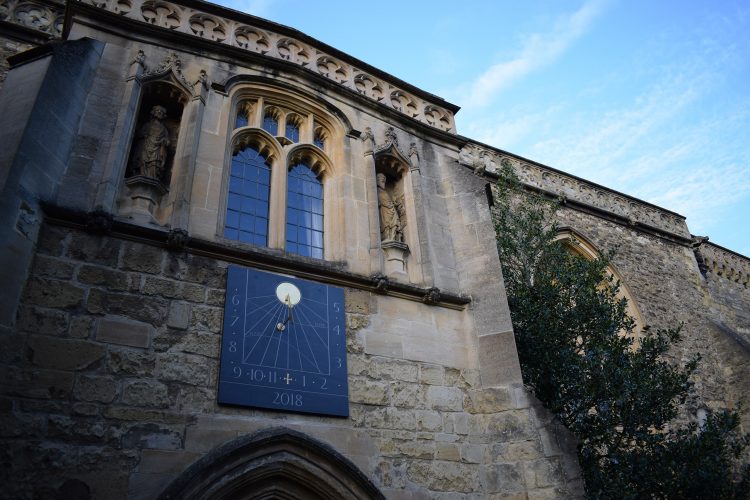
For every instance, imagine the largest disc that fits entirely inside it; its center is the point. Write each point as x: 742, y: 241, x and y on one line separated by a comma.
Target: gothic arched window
x: 247, y: 201
x: 304, y: 215
x: 271, y: 122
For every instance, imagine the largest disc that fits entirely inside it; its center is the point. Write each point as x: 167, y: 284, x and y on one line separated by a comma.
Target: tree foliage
x: 579, y: 358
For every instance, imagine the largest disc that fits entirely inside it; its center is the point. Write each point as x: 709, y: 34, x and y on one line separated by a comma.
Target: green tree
x: 579, y: 358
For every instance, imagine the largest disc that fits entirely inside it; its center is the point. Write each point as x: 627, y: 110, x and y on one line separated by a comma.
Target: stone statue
x: 151, y: 149
x: 391, y: 228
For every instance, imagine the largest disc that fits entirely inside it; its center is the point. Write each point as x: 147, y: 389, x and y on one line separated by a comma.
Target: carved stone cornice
x: 253, y: 34
x: 43, y: 16
x: 569, y: 188
x: 725, y: 263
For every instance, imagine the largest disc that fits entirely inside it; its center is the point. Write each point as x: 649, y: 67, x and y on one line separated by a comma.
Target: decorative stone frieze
x: 484, y: 160
x: 233, y: 32
x: 728, y: 265
x: 38, y: 15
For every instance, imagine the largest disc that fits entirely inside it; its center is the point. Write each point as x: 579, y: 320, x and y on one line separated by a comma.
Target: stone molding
x: 567, y: 187
x: 39, y: 15
x: 238, y: 33
x: 725, y: 263
x: 257, y: 257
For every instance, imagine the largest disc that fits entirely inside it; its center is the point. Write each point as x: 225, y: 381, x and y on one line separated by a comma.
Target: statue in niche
x: 151, y: 149
x: 391, y: 227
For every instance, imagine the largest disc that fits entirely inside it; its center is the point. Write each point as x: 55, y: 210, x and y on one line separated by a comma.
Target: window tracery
x: 278, y: 174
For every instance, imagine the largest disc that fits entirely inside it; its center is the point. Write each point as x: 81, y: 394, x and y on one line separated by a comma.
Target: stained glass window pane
x: 304, y: 225
x: 292, y: 132
x: 247, y: 201
x: 270, y: 125
x: 241, y: 119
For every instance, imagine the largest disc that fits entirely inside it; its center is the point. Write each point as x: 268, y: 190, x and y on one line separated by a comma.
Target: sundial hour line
x: 325, y: 344
x: 271, y: 335
x: 270, y: 313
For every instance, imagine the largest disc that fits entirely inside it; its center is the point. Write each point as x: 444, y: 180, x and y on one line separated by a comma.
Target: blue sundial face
x: 284, y: 344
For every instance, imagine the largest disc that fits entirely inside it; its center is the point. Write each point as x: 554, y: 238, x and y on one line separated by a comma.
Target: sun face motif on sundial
x: 283, y: 344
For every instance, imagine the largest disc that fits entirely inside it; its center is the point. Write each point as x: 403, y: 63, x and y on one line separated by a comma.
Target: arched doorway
x: 276, y: 463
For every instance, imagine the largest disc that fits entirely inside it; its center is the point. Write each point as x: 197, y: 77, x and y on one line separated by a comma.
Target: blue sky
x: 651, y: 98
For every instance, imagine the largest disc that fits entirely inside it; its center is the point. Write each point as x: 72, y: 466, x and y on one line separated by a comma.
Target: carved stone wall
x: 485, y: 160
x: 241, y: 33
x: 25, y: 24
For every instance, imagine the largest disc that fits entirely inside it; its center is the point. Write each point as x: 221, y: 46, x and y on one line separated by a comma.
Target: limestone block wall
x: 110, y: 375
x: 664, y: 279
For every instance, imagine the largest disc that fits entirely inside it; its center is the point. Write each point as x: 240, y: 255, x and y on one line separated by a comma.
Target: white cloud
x: 538, y: 50
x: 261, y: 8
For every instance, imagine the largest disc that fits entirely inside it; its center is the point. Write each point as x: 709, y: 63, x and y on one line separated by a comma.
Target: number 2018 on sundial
x: 283, y: 344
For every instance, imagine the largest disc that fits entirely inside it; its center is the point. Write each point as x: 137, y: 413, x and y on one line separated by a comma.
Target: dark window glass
x: 304, y: 224
x: 319, y: 141
x: 292, y: 132
x: 247, y: 201
x: 241, y: 119
x: 271, y: 125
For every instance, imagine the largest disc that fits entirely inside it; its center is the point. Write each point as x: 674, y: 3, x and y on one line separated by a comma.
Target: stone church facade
x: 150, y: 146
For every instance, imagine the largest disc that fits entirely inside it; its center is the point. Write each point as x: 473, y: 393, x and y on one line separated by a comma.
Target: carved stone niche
x: 390, y: 170
x: 148, y: 173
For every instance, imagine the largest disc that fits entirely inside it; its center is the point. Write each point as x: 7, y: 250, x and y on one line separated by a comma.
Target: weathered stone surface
x: 47, y: 292
x: 153, y: 436
x: 43, y: 321
x: 391, y: 418
x: 447, y: 451
x: 508, y: 426
x: 96, y: 388
x: 431, y: 374
x: 542, y: 473
x: 390, y: 369
x: 108, y: 278
x: 444, y: 398
x: 36, y: 383
x: 206, y: 318
x: 356, y: 322
x: 490, y: 400
x: 93, y: 249
x: 144, y: 415
x: 215, y: 297
x: 123, y: 332
x: 463, y: 379
x: 52, y: 268
x: 150, y: 310
x: 142, y: 258
x: 179, y: 315
x: 171, y: 289
x: 427, y: 420
x: 80, y: 327
x: 196, y: 270
x: 368, y: 392
x: 407, y: 395
x: 357, y: 301
x: 64, y: 354
x: 149, y: 393
x: 503, y: 478
x: 52, y: 240
x: 124, y: 361
x: 205, y: 344
x: 85, y: 409
x: 187, y: 368
x: 444, y: 476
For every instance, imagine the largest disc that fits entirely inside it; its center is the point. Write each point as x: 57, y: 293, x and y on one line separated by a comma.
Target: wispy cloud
x: 537, y: 50
x: 261, y: 8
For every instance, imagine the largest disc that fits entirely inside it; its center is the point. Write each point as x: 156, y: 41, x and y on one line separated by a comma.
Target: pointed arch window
x: 304, y: 216
x: 247, y: 201
x: 271, y: 123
